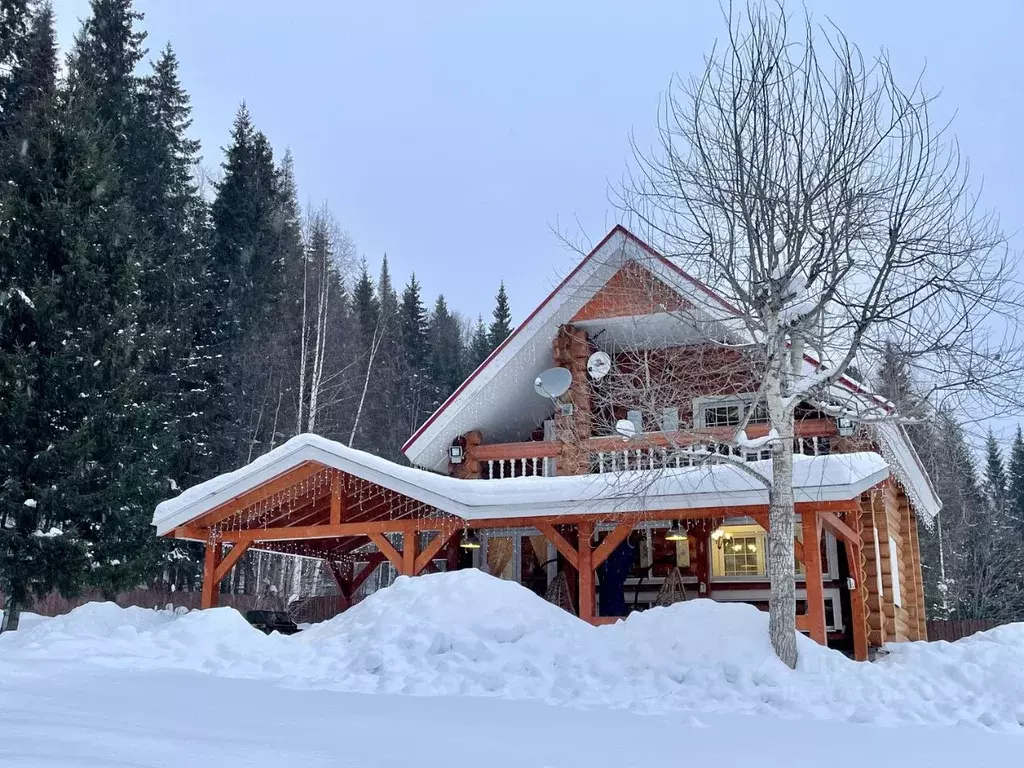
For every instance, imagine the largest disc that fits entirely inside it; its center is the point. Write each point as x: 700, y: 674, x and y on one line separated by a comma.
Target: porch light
x: 456, y: 453
x: 720, y: 536
x: 676, y: 532
x: 469, y: 540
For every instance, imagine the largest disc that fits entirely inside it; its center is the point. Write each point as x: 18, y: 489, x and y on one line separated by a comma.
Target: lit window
x: 740, y: 552
x: 741, y: 556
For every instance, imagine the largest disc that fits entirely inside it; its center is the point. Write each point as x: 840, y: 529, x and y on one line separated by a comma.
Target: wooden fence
x: 956, y: 629
x: 55, y: 605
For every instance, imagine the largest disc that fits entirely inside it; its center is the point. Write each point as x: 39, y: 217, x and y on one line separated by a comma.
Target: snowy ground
x: 498, y: 677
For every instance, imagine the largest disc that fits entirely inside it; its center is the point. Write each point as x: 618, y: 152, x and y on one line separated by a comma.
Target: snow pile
x: 467, y: 633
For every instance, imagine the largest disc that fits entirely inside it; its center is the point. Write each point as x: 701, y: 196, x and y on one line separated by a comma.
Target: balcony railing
x: 654, y: 450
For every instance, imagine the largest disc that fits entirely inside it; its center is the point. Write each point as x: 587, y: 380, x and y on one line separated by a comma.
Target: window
x: 742, y: 556
x: 740, y: 552
x: 683, y: 554
x: 669, y: 419
x: 760, y: 413
x: 894, y: 568
x: 729, y: 411
x: 723, y: 415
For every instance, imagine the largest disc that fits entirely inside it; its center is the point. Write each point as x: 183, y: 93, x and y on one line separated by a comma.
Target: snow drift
x: 468, y: 633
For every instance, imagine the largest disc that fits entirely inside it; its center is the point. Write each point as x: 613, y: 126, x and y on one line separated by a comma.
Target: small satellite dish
x: 554, y: 382
x: 626, y: 428
x: 598, y: 365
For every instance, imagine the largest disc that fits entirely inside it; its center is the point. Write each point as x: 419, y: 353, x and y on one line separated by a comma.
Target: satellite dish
x: 598, y: 365
x: 626, y: 428
x: 554, y: 382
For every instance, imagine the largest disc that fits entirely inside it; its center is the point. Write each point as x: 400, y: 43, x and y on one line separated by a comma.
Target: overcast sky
x: 454, y: 136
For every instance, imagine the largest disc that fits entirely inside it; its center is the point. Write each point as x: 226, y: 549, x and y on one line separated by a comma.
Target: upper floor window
x: 729, y: 411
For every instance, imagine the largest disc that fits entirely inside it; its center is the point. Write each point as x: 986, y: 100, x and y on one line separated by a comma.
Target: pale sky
x: 455, y: 136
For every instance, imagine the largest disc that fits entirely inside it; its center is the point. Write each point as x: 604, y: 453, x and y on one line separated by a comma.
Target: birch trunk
x: 781, y: 509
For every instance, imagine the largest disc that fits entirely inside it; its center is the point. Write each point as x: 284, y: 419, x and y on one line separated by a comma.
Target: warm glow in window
x: 740, y: 552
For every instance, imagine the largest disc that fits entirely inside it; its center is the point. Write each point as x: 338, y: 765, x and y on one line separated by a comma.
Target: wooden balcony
x: 651, y: 450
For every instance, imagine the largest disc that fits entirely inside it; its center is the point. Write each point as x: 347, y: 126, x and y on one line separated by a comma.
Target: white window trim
x: 829, y: 571
x: 743, y: 399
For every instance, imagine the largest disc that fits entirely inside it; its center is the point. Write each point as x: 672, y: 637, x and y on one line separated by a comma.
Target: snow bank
x: 468, y: 633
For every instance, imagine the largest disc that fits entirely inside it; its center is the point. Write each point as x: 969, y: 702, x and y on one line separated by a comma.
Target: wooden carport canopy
x: 316, y: 510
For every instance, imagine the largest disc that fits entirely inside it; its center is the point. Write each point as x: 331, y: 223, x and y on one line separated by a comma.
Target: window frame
x: 744, y: 401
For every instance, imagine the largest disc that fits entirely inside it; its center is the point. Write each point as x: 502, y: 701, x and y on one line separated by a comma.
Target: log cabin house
x: 554, y: 492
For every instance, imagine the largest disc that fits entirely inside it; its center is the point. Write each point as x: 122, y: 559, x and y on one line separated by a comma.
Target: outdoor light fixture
x: 720, y: 536
x: 469, y: 540
x: 676, y: 532
x: 844, y: 426
x: 456, y: 453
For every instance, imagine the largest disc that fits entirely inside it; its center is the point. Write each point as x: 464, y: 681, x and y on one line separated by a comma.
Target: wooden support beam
x: 336, y: 499
x: 564, y: 547
x: 410, y: 538
x: 386, y: 549
x: 360, y: 578
x: 812, y: 578
x: 614, y: 537
x: 831, y: 521
x: 263, y: 491
x: 211, y: 559
x: 585, y: 569
x: 430, y: 551
x: 858, y: 617
x: 798, y: 547
x: 228, y: 562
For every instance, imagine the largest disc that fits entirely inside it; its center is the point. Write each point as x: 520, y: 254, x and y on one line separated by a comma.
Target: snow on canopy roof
x: 838, y: 477
x: 498, y: 397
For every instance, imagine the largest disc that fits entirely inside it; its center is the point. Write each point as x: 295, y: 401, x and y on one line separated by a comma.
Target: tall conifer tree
x: 501, y: 325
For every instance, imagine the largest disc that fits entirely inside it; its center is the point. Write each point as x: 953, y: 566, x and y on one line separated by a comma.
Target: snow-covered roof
x: 838, y: 477
x: 498, y: 397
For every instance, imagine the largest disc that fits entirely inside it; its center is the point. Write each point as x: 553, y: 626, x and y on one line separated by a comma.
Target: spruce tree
x: 250, y: 245
x: 1015, y: 490
x: 86, y: 470
x: 995, y: 476
x: 501, y: 325
x: 479, y: 346
x: 446, y: 352
x: 31, y: 562
x: 416, y: 349
x: 107, y: 50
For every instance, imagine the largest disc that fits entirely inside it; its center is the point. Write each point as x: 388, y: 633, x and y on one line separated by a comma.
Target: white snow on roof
x: 815, y: 478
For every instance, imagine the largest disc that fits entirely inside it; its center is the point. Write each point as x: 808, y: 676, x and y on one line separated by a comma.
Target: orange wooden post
x: 857, y: 609
x: 812, y: 577
x: 585, y: 555
x: 211, y: 559
x: 409, y: 540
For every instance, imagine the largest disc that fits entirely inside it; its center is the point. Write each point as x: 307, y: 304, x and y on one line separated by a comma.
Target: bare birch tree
x: 812, y: 191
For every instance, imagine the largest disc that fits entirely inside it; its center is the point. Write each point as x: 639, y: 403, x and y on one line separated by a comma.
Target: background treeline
x: 972, y: 555
x: 158, y: 328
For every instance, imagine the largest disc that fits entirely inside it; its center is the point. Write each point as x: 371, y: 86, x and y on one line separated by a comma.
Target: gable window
x: 729, y: 411
x: 723, y: 415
